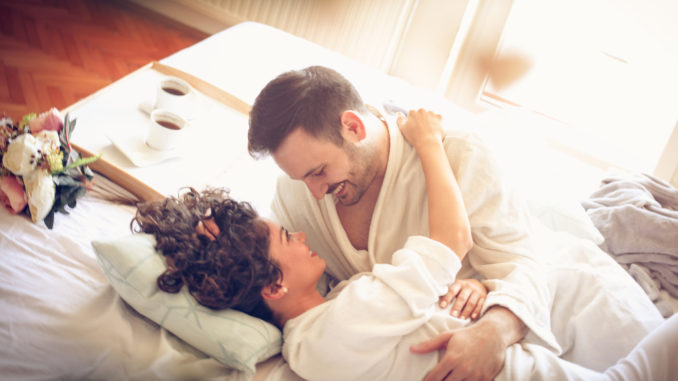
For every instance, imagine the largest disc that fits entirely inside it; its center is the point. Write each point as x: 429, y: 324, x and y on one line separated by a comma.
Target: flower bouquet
x: 40, y: 173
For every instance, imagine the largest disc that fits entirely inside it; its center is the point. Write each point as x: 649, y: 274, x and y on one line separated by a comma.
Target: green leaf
x: 27, y: 119
x: 69, y: 126
x: 49, y: 219
x: 64, y: 181
x: 79, y: 162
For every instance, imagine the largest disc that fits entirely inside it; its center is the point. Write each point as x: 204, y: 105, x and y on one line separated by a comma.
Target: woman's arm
x: 448, y: 221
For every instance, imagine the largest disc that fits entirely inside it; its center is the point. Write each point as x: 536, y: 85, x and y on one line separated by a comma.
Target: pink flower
x: 50, y: 120
x: 12, y: 194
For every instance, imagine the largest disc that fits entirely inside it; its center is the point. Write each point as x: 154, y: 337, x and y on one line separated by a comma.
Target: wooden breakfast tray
x: 121, y: 110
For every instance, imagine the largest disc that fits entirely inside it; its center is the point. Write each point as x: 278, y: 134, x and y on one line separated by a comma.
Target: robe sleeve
x: 503, y: 251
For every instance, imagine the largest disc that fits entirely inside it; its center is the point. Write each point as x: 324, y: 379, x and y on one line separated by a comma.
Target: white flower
x: 48, y: 141
x: 40, y: 190
x: 22, y: 154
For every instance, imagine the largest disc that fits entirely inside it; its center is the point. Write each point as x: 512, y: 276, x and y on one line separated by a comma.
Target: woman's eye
x: 287, y: 234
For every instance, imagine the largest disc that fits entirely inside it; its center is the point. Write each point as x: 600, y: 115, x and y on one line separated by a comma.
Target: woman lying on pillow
x: 362, y: 330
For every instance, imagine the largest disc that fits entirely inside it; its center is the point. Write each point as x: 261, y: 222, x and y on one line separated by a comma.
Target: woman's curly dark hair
x: 228, y: 272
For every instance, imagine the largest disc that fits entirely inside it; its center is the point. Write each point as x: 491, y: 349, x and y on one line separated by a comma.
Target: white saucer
x: 140, y: 154
x: 187, y: 113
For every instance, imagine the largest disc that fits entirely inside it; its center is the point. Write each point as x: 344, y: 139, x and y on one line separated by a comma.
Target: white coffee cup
x: 164, y: 129
x: 174, y: 94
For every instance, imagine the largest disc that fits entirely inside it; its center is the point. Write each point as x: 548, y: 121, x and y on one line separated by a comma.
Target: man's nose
x: 318, y: 189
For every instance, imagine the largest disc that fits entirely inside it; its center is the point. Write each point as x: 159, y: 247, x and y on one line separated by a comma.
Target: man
x: 356, y: 188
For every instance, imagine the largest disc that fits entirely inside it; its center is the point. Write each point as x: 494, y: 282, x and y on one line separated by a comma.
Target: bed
x: 70, y: 306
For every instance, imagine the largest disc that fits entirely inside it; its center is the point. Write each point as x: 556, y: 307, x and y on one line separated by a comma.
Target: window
x: 607, y: 68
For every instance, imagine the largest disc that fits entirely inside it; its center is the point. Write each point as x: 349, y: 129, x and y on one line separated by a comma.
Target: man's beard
x: 360, y: 176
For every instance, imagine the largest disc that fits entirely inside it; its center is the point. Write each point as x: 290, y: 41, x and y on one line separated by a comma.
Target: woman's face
x: 300, y: 266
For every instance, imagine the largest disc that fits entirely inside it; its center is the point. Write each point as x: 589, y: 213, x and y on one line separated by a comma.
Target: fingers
x: 420, y: 127
x: 434, y: 344
x: 446, y: 299
x: 470, y: 297
x: 461, y: 301
x: 470, y: 306
x: 479, y: 307
x: 438, y: 373
x: 400, y: 118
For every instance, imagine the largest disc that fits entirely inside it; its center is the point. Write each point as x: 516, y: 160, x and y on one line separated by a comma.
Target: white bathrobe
x: 516, y: 261
x: 365, y: 329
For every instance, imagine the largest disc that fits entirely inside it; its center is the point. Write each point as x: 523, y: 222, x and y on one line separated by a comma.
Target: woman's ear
x: 273, y: 292
x: 352, y: 126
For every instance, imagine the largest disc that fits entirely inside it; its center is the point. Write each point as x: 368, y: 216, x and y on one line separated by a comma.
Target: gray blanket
x: 638, y: 216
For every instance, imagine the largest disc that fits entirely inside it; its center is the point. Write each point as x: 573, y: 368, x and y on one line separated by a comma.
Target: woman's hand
x: 470, y: 296
x: 421, y: 127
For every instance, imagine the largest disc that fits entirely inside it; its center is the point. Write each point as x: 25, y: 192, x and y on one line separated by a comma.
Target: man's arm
x: 476, y: 352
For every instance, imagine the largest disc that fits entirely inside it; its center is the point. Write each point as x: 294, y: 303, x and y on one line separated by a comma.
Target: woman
x: 230, y: 258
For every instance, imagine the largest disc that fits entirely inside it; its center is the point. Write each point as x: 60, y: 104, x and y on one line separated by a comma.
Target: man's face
x: 345, y: 171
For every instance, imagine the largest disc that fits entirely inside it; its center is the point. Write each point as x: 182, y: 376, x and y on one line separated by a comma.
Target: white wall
x: 411, y: 39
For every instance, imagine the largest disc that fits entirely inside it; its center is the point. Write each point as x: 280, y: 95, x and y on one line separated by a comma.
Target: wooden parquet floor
x: 55, y: 52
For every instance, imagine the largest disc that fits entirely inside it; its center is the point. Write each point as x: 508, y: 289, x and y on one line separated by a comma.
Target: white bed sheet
x: 61, y: 318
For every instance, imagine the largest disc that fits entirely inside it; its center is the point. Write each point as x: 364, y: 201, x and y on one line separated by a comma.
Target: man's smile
x: 337, y: 189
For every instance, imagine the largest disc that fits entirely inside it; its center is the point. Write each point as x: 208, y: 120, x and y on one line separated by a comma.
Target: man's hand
x: 476, y: 352
x: 470, y: 296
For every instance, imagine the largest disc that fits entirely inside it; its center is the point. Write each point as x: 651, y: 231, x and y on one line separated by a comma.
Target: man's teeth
x: 338, y: 189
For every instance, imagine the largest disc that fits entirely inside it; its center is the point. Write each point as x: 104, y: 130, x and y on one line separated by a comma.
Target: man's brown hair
x: 312, y: 98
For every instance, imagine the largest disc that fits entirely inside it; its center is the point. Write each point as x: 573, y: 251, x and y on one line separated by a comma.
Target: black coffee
x: 169, y: 125
x: 173, y: 91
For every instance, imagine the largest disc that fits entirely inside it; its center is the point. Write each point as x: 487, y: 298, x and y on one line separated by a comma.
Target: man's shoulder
x: 465, y: 145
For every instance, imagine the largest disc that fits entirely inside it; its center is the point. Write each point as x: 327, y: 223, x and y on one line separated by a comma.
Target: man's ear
x: 352, y: 126
x: 273, y: 292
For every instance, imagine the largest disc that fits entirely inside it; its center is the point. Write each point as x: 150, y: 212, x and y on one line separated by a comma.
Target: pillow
x: 551, y: 182
x: 565, y: 216
x: 233, y: 338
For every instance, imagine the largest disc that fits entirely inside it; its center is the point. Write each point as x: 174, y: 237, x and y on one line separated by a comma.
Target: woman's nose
x: 299, y: 236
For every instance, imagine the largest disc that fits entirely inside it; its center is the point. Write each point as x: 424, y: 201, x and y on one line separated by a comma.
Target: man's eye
x: 319, y: 173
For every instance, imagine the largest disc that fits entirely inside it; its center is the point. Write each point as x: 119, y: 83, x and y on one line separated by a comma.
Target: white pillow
x: 235, y: 339
x: 565, y: 216
x: 550, y: 181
